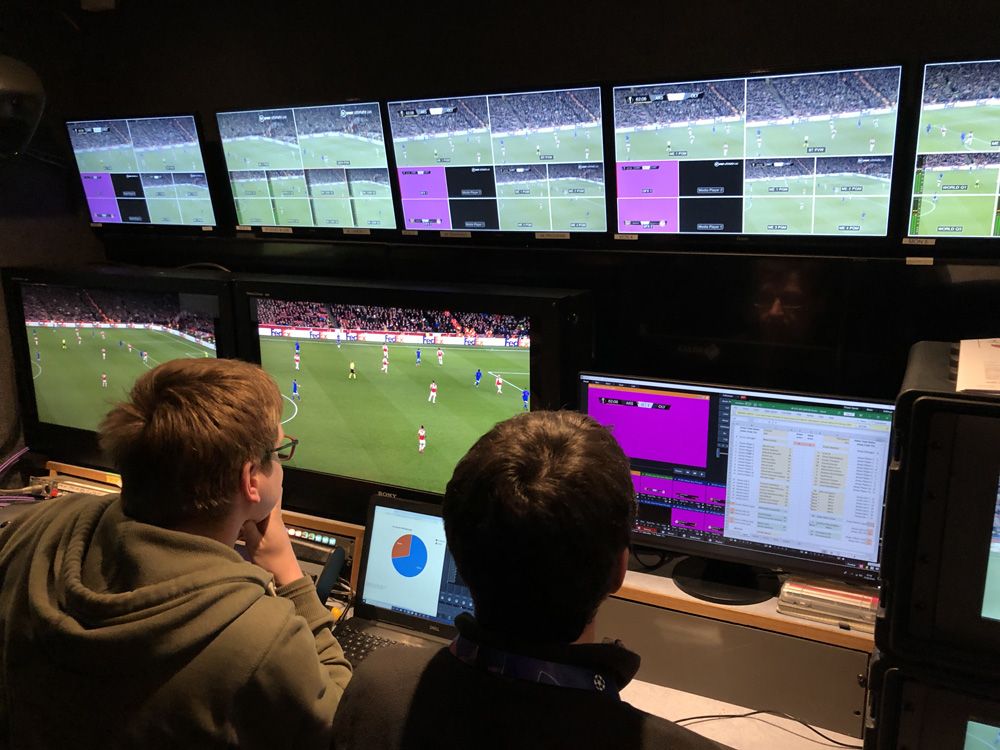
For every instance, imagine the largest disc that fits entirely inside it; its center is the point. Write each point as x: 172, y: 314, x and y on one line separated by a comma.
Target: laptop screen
x: 409, y: 569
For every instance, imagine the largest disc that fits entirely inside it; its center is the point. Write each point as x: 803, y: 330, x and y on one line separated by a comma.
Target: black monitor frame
x: 747, y: 556
x: 942, y: 498
x: 133, y: 230
x: 561, y: 343
x: 866, y: 246
x: 71, y: 444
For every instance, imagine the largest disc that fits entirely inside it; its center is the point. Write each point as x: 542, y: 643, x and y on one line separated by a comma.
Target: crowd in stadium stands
x: 395, y: 319
x: 249, y: 175
x: 163, y: 132
x: 527, y: 173
x: 764, y: 169
x: 717, y: 99
x: 113, y: 133
x: 962, y: 83
x: 364, y: 123
x: 880, y: 166
x: 821, y: 94
x: 280, y: 126
x: 326, y: 176
x: 280, y: 174
x: 594, y: 172
x: 470, y: 114
x: 65, y: 305
x: 959, y: 161
x: 514, y: 112
x: 380, y: 176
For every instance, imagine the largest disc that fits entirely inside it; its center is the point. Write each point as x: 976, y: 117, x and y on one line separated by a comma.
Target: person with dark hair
x: 131, y: 620
x: 537, y: 516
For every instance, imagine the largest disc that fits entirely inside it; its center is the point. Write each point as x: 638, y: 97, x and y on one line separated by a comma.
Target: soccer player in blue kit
x: 524, y: 398
x: 479, y: 376
x: 418, y: 357
x: 295, y: 390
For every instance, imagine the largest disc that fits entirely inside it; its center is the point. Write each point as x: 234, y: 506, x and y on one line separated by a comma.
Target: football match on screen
x: 389, y: 394
x: 142, y: 171
x: 527, y: 162
x: 955, y: 181
x: 309, y: 167
x: 803, y: 154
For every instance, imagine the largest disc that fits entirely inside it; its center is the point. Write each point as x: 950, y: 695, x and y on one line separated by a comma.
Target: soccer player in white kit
x: 440, y: 356
x: 433, y: 395
x: 499, y: 384
x: 421, y: 439
x: 297, y: 359
x: 104, y: 380
x: 104, y: 353
x: 385, y: 365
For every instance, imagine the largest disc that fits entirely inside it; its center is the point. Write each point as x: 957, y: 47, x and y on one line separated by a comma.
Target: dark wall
x: 839, y: 323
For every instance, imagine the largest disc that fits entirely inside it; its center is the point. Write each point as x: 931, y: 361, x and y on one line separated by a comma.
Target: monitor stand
x: 725, y: 582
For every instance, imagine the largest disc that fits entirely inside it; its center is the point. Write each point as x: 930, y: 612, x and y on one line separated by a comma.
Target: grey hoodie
x: 115, y: 633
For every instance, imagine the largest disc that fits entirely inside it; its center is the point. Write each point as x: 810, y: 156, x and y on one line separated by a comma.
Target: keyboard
x: 358, y: 644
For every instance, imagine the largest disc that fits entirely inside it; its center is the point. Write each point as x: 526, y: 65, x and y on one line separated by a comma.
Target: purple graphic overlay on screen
x: 675, y: 489
x: 648, y: 215
x: 664, y: 427
x: 422, y: 182
x: 426, y: 214
x: 695, y: 521
x: 648, y: 179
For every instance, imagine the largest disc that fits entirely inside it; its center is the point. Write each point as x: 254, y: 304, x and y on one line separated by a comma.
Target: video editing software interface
x: 410, y: 569
x: 309, y: 166
x: 391, y: 394
x: 792, y: 476
x: 955, y: 185
x: 147, y: 170
x: 88, y: 345
x: 525, y: 162
x: 806, y: 154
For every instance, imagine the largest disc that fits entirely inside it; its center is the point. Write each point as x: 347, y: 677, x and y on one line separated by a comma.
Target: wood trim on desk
x: 662, y: 592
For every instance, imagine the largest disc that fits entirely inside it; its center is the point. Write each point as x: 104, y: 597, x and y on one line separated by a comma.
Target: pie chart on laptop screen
x: 409, y: 555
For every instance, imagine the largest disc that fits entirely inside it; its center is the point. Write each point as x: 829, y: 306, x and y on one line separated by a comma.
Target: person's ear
x: 622, y: 569
x: 250, y: 482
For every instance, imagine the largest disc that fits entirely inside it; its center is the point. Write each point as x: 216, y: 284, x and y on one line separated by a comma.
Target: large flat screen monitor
x: 82, y: 338
x: 776, y: 479
x: 388, y: 386
x: 143, y: 170
x: 522, y: 162
x: 322, y: 167
x: 958, y: 152
x: 806, y: 154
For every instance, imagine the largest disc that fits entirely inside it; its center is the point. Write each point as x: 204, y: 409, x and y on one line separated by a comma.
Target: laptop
x: 409, y: 590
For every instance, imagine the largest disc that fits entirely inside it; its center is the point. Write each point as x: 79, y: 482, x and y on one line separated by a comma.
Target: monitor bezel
x: 804, y: 244
x: 71, y: 444
x: 343, y: 234
x: 557, y: 317
x: 138, y: 229
x: 736, y: 554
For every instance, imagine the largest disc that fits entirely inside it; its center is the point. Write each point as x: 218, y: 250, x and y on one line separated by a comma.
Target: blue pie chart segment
x: 409, y: 555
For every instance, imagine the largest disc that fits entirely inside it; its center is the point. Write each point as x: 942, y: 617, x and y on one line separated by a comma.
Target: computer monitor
x: 322, y: 167
x: 81, y: 338
x: 800, y: 154
x: 143, y: 170
x: 387, y: 386
x: 520, y: 162
x: 768, y: 478
x: 958, y: 152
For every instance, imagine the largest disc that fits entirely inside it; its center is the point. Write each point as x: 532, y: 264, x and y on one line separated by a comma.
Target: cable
x: 11, y: 460
x: 650, y: 566
x: 781, y: 714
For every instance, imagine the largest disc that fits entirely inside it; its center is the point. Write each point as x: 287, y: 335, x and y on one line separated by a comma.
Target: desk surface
x: 661, y: 591
x: 751, y: 733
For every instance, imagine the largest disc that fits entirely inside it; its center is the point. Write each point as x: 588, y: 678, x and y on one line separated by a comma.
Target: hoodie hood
x: 107, y: 593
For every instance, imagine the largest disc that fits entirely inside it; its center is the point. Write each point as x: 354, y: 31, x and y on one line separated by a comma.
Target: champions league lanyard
x: 529, y: 669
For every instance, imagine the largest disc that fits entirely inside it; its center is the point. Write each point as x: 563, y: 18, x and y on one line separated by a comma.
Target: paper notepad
x: 978, y: 365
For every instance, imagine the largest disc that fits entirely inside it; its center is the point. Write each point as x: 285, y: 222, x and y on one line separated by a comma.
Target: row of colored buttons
x: 312, y: 536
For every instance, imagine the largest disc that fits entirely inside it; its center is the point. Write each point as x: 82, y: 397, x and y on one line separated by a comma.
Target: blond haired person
x: 131, y: 621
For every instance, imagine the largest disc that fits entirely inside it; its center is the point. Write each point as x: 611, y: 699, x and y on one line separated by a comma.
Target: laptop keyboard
x: 358, y: 644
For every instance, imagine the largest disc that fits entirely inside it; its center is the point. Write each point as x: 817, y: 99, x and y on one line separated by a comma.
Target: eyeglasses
x: 285, y: 451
